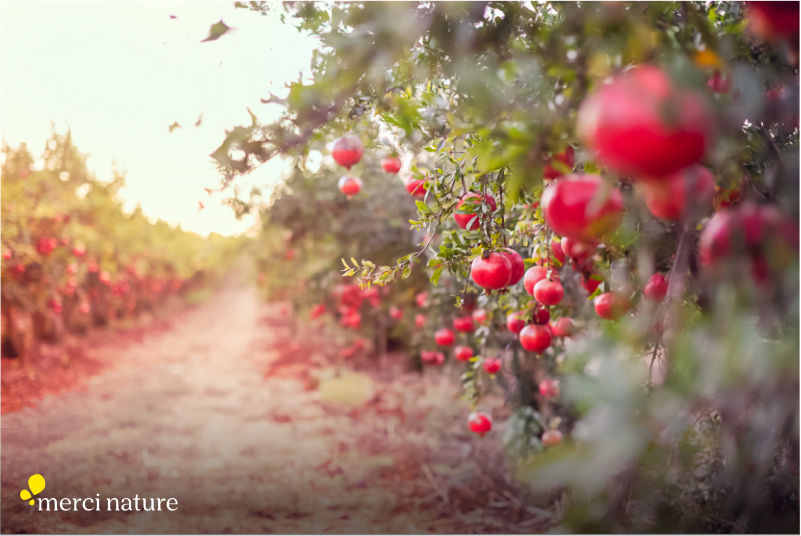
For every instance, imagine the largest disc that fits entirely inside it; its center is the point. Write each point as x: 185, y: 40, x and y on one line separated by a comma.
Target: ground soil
x: 242, y: 418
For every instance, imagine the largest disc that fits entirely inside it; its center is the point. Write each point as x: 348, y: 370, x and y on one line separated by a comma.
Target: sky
x: 117, y: 74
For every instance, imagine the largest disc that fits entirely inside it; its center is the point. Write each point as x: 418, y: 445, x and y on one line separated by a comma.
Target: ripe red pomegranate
x: 643, y: 125
x: 535, y: 338
x: 590, y: 282
x: 492, y: 365
x: 541, y: 316
x: 565, y: 159
x: 518, y: 266
x: 563, y: 327
x: 611, y: 305
x: 577, y: 250
x: 656, y: 288
x: 467, y: 212
x: 416, y: 187
x: 463, y: 324
x: 551, y: 438
x: 549, y: 388
x: 515, y: 321
x: 534, y: 275
x: 421, y: 299
x: 444, y: 337
x: 391, y: 164
x: 491, y: 272
x: 480, y: 316
x: 690, y: 191
x: 395, y: 313
x: 419, y: 320
x: 45, y: 246
x: 580, y: 207
x: 549, y: 292
x: 317, y: 311
x: 350, y: 185
x: 352, y: 319
x: 480, y: 423
x: 347, y: 150
x: 7, y: 253
x: 557, y: 251
x: 463, y: 353
x: 432, y: 358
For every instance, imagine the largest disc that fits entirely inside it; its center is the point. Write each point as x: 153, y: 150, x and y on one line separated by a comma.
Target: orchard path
x: 215, y: 412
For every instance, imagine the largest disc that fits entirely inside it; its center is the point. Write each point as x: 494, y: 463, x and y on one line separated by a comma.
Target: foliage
x: 682, y: 415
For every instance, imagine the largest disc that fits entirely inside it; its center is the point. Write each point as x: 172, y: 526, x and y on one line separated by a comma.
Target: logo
x: 37, y: 484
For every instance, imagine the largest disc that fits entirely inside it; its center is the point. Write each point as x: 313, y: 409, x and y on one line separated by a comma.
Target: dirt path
x: 188, y: 413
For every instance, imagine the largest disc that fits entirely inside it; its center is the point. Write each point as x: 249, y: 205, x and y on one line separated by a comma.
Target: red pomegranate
x: 582, y: 207
x: 480, y: 423
x: 444, y: 337
x: 518, y: 266
x: 577, y: 250
x: 467, y: 212
x: 391, y: 164
x: 643, y: 125
x: 773, y: 20
x: 515, y: 321
x: 416, y: 187
x: 535, y: 338
x: 611, y: 305
x: 549, y: 292
x: 540, y: 316
x: 656, y: 288
x: 419, y: 320
x: 534, y: 275
x: 395, y: 313
x: 549, y: 388
x: 492, y: 365
x: 463, y: 324
x: 491, y: 272
x: 690, y: 191
x: 480, y: 316
x: 564, y: 160
x: 563, y: 327
x: 557, y: 251
x: 590, y: 282
x: 350, y: 185
x: 348, y: 150
x: 463, y: 353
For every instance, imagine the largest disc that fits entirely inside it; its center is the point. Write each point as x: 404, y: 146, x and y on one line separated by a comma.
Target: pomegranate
x: 78, y: 249
x: 463, y: 353
x: 45, y: 246
x: 656, y: 288
x: 491, y: 270
x: 317, y: 311
x: 395, y: 313
x: 444, y: 337
x: 480, y: 423
x: 347, y: 150
x: 565, y: 160
x: 416, y: 187
x: 480, y: 316
x: 515, y: 322
x: 419, y: 320
x: 492, y: 365
x: 773, y: 21
x: 7, y: 253
x: 642, y: 125
x: 557, y: 251
x: 718, y: 83
x: 350, y: 185
x: 577, y: 250
x: 518, y: 266
x: 463, y: 324
x: 611, y: 305
x: 563, y: 327
x: 690, y: 191
x: 548, y: 292
x: 577, y: 206
x: 391, y: 164
x: 421, y: 299
x: 590, y: 282
x: 535, y: 338
x: 541, y: 316
x: 534, y: 275
x: 467, y: 212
